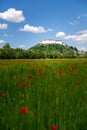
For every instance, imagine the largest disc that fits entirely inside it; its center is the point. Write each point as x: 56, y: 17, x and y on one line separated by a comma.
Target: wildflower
x: 72, y: 66
x: 40, y: 72
x: 2, y: 95
x: 37, y: 68
x: 24, y: 110
x: 23, y: 85
x: 53, y: 127
x: 30, y: 76
x: 30, y: 82
x: 78, y: 82
x: 60, y: 72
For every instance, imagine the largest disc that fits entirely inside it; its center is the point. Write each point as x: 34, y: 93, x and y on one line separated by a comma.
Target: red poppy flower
x: 78, y: 82
x: 72, y: 66
x: 30, y: 76
x: 23, y: 85
x: 37, y: 68
x: 53, y: 127
x: 40, y: 72
x: 31, y: 82
x: 24, y: 110
x: 2, y: 95
x: 60, y: 72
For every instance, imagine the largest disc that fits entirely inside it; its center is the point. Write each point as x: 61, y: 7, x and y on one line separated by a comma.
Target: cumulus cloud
x: 22, y: 46
x: 2, y: 41
x: 12, y: 15
x: 28, y: 28
x: 3, y: 26
x: 80, y: 37
x: 60, y: 34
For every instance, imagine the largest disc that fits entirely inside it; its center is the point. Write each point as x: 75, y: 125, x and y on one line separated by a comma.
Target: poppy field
x: 43, y: 94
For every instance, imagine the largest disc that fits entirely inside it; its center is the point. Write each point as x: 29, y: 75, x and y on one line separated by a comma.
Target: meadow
x: 43, y: 94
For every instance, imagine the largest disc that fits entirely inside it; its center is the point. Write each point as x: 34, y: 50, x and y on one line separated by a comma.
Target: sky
x: 23, y: 23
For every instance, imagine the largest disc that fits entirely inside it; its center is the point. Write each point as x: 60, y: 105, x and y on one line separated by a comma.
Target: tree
x: 1, y: 53
x: 19, y: 53
x: 6, y: 50
x: 68, y: 54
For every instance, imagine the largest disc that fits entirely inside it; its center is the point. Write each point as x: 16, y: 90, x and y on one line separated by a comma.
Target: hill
x: 40, y: 50
x: 54, y: 50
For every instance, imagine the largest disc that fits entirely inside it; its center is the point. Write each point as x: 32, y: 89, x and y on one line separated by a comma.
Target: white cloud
x: 82, y: 49
x: 22, y: 46
x: 80, y: 37
x: 2, y: 41
x: 81, y: 32
x: 3, y: 26
x: 28, y: 28
x: 12, y: 15
x: 73, y: 22
x: 60, y: 34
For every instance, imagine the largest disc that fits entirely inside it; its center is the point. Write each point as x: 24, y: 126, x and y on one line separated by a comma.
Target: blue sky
x: 23, y: 23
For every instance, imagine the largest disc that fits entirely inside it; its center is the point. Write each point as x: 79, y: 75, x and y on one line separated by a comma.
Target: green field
x: 37, y: 94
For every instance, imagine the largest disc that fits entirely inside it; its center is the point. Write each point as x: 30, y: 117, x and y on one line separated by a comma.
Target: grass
x: 53, y: 92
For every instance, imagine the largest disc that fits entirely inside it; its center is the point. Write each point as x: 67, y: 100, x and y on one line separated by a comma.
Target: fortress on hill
x: 51, y: 41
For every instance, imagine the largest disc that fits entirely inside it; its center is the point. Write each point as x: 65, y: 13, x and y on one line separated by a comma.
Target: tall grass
x: 53, y: 92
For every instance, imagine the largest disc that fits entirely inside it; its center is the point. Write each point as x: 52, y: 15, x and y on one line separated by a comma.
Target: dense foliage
x: 40, y: 51
x: 55, y: 51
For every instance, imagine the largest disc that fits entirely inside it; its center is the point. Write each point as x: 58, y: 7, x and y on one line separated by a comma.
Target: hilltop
x: 51, y: 41
x: 54, y: 49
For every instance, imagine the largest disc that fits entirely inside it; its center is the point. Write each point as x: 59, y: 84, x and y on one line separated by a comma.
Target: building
x: 51, y: 41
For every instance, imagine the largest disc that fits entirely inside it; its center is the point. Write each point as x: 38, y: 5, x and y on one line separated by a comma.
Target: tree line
x: 6, y: 52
